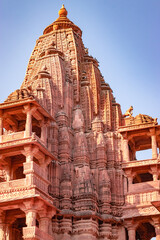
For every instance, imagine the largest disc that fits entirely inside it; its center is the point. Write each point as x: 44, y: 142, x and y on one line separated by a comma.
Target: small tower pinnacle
x: 63, y: 12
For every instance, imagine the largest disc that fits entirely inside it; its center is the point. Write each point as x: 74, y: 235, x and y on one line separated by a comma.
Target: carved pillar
x: 44, y: 224
x: 154, y: 173
x: 7, y: 232
x: 2, y: 225
x: 2, y: 231
x: 105, y: 230
x: 7, y: 169
x: 157, y: 230
x: 125, y: 150
x: 31, y: 217
x: 65, y: 228
x: 28, y: 127
x: 156, y: 221
x: 130, y: 179
x: 154, y: 146
x: 133, y: 152
x: 131, y: 233
x: 29, y: 158
x: 1, y: 123
x: 45, y: 217
x: 155, y: 176
x: 44, y: 132
x: 114, y: 232
x: 28, y: 152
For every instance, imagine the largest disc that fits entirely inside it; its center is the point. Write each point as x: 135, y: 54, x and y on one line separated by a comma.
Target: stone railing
x: 20, y: 183
x: 15, y: 189
x: 40, y: 183
x: 12, y: 136
x: 144, y: 187
x: 18, y: 189
x: 138, y: 163
x: 143, y: 193
x: 35, y: 233
x: 17, y: 138
x: 30, y: 167
x: 142, y: 198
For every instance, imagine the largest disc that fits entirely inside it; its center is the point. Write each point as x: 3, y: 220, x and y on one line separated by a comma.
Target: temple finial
x: 63, y: 12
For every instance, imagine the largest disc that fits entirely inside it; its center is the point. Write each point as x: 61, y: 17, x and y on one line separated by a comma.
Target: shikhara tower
x: 68, y: 168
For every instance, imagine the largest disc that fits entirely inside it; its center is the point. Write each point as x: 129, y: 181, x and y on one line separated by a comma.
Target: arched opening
x: 142, y: 177
x: 17, y: 167
x: 37, y: 130
x: 145, y: 231
x: 17, y: 227
x: 18, y: 173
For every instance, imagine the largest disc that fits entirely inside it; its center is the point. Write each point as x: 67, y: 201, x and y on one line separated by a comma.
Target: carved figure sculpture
x: 129, y: 112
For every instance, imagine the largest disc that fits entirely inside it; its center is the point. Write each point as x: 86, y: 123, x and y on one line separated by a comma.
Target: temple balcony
x: 142, y: 199
x: 33, y: 183
x: 143, y: 193
x: 20, y: 119
x: 19, y: 138
x: 140, y: 163
x: 138, y: 134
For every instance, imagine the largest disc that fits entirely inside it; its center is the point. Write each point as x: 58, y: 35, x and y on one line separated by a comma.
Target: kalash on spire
x: 61, y: 22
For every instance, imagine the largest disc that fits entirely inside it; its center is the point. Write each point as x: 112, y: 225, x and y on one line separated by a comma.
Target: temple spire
x: 63, y: 12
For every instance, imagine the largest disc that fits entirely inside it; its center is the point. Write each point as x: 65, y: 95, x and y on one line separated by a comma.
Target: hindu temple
x: 68, y: 167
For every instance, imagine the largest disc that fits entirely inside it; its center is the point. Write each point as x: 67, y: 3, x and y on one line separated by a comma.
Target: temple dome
x: 63, y: 12
x: 62, y: 22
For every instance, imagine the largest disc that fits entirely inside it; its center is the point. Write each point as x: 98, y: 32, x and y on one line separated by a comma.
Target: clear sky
x: 124, y: 35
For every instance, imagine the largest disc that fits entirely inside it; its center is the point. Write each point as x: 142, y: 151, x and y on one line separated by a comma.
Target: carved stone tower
x: 67, y: 155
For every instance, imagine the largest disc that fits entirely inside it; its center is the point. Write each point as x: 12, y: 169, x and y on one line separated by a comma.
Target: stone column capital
x: 28, y: 108
x: 152, y: 131
x: 130, y: 225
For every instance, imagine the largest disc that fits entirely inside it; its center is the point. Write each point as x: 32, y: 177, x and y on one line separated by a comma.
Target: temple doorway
x: 145, y: 231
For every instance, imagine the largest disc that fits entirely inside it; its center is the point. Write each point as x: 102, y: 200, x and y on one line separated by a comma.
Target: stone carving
x: 129, y: 112
x: 145, y: 119
x: 19, y: 94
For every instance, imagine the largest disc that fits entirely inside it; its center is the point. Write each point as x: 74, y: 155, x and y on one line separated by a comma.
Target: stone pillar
x: 44, y: 132
x: 1, y: 126
x: 130, y: 179
x: 131, y: 233
x: 157, y: 230
x: 105, y: 231
x: 125, y: 150
x: 31, y: 217
x: 7, y: 232
x: 28, y: 127
x: 44, y: 224
x: 2, y: 225
x: 154, y: 146
x: 155, y: 176
x: 133, y: 152
x: 7, y: 169
x: 2, y: 231
x: 29, y: 158
x: 156, y: 221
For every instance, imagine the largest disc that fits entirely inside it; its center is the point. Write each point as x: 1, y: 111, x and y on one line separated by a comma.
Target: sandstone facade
x: 68, y: 168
